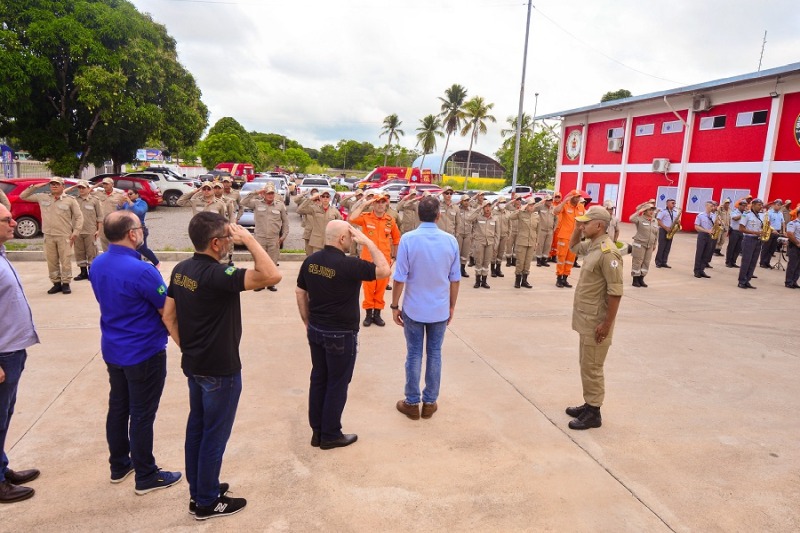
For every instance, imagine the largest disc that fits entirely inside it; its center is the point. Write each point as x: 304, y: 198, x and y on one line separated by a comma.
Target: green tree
x: 538, y: 154
x: 222, y: 147
x: 430, y: 128
x: 88, y: 80
x: 525, y: 131
x: 616, y: 95
x: 391, y: 128
x: 451, y: 114
x: 269, y: 156
x: 230, y: 125
x: 297, y: 159
x: 476, y: 115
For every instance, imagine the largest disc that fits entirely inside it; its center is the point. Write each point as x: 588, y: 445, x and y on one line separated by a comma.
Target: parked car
x: 28, y: 214
x: 315, y: 183
x: 290, y: 184
x: 350, y: 182
x: 519, y: 190
x: 170, y: 174
x: 421, y: 187
x: 278, y: 183
x: 171, y: 188
x: 381, y: 175
x: 393, y: 190
x: 148, y: 190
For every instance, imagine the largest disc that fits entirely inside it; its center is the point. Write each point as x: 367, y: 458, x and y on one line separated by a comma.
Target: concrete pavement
x: 698, y: 428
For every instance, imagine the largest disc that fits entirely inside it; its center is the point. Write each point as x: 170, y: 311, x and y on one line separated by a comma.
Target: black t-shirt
x: 333, y: 283
x: 206, y: 295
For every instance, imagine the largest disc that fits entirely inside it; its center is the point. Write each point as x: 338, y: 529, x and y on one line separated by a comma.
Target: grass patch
x: 483, y: 184
x: 16, y: 246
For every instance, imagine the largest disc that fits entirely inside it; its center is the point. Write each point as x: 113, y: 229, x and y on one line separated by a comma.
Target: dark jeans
x: 768, y: 249
x: 734, y: 247
x: 333, y: 357
x: 793, y: 266
x: 751, y: 245
x: 132, y: 405
x: 13, y: 363
x: 144, y: 250
x: 212, y: 409
x: 702, y: 254
x: 664, y: 246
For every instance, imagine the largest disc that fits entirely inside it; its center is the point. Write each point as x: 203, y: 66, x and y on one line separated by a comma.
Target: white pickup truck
x: 320, y: 184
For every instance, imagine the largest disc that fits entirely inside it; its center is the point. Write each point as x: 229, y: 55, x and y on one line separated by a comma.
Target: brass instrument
x: 766, y: 228
x: 716, y: 230
x: 676, y: 227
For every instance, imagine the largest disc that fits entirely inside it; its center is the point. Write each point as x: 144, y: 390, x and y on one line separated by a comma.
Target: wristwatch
x: 392, y: 306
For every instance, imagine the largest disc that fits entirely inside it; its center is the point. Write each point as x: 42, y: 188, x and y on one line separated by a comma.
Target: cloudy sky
x: 323, y: 70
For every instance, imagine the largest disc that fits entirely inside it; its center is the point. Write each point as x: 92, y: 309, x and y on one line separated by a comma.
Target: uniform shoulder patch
x: 230, y: 270
x: 162, y: 289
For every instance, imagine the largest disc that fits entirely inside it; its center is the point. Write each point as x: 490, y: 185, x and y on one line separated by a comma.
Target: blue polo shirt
x: 130, y: 293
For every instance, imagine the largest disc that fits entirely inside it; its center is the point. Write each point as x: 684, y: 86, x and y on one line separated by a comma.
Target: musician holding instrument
x: 735, y: 241
x: 667, y: 220
x: 704, y: 226
x: 724, y: 220
x: 793, y: 266
x: 776, y: 223
x: 752, y: 226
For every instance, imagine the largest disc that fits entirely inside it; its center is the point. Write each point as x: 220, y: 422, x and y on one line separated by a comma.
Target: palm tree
x: 391, y: 126
x: 430, y: 128
x: 476, y: 114
x: 525, y: 131
x: 451, y: 114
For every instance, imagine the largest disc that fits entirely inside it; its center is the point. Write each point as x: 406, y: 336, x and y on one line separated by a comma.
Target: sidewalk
x: 698, y: 428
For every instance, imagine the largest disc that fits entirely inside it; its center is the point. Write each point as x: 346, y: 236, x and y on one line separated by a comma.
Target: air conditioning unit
x: 615, y: 145
x: 701, y: 103
x: 661, y: 165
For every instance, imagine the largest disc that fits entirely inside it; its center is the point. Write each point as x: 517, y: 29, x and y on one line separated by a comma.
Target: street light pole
x: 521, y: 99
x: 535, y: 106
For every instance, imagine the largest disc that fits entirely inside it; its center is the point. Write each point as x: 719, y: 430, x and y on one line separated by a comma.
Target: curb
x: 21, y: 255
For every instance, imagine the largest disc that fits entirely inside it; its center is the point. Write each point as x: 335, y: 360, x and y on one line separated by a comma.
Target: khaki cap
x: 447, y: 188
x: 269, y: 188
x: 217, y: 185
x: 596, y: 212
x: 60, y: 181
x: 226, y: 179
x: 83, y: 183
x: 609, y: 204
x: 108, y: 180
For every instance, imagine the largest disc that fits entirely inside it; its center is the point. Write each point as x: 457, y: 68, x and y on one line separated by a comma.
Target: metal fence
x: 39, y: 169
x: 484, y: 170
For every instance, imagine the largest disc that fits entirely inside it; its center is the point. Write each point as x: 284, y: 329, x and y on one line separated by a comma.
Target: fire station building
x: 710, y: 141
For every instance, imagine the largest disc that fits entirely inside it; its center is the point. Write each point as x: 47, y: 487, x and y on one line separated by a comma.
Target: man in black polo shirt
x: 204, y: 317
x: 328, y: 287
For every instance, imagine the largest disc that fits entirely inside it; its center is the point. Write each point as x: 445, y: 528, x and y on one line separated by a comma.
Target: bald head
x: 117, y: 224
x: 334, y: 231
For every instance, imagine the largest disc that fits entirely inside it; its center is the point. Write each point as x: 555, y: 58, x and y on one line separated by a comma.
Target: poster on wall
x: 611, y: 192
x: 697, y: 198
x: 594, y: 191
x: 665, y: 193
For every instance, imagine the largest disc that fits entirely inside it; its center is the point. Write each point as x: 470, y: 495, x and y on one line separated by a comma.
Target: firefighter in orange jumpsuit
x: 381, y: 229
x: 566, y: 212
x: 554, y: 246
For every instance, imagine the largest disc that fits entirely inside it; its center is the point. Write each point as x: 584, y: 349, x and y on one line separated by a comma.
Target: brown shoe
x: 23, y: 476
x: 428, y: 409
x: 410, y: 410
x: 10, y: 493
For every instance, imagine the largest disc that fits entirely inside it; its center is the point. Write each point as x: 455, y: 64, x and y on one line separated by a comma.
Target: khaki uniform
x: 513, y: 229
x: 318, y: 218
x: 272, y: 223
x: 644, y: 243
x: 505, y: 225
x: 4, y: 200
x: 601, y: 277
x: 613, y: 227
x: 85, y: 244
x: 464, y: 232
x: 409, y: 213
x: 108, y: 204
x: 230, y: 208
x: 235, y: 197
x: 724, y: 216
x: 447, y: 218
x: 304, y: 222
x: 528, y: 223
x: 485, y: 236
x: 198, y: 203
x: 61, y: 219
x: 544, y: 234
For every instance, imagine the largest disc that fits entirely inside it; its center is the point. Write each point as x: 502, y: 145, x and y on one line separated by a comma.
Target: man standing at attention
x: 319, y: 212
x: 666, y: 218
x: 597, y: 299
x: 327, y: 292
x: 203, y: 199
x: 133, y: 340
x: 381, y: 229
x: 62, y: 222
x: 85, y: 247
x: 429, y: 270
x: 17, y: 333
x: 109, y: 199
x: 272, y: 222
x: 566, y: 212
x: 204, y: 317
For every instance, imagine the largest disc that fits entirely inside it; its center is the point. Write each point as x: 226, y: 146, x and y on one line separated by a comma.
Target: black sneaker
x: 162, y: 480
x: 224, y: 506
x: 223, y: 490
x: 119, y: 478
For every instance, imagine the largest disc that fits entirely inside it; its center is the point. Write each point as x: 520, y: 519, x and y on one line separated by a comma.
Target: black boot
x: 641, y: 282
x: 500, y: 272
x: 525, y: 282
x: 575, y: 264
x: 589, y: 418
x: 376, y: 318
x: 494, y: 270
x: 464, y: 271
x: 483, y: 283
x: 517, y: 281
x: 477, y: 281
x: 508, y: 261
x: 538, y: 261
x: 65, y: 288
x: 551, y: 259
x: 636, y: 281
x: 545, y: 262
x: 56, y: 288
x: 565, y: 282
x: 513, y: 261
x: 368, y: 319
x: 471, y: 262
x: 83, y: 275
x: 559, y: 281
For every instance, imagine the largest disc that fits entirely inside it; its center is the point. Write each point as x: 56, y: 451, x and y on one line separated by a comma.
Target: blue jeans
x: 415, y: 333
x: 333, y: 357
x: 144, y: 250
x: 13, y: 363
x: 212, y: 408
x: 132, y: 405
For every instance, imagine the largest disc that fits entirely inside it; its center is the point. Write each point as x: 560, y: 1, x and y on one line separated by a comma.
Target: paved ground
x: 699, y: 431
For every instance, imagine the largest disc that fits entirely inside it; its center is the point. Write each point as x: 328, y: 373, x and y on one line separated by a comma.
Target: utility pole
x: 521, y: 99
x: 763, y: 45
x: 535, y: 106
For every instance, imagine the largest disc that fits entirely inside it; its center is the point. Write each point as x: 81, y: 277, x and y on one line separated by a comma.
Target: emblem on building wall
x: 573, y: 145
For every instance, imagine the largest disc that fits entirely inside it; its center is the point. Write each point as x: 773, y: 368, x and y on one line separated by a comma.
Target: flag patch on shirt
x: 162, y: 290
x: 230, y: 270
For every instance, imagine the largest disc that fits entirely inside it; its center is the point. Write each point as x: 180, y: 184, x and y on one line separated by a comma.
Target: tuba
x: 676, y: 227
x: 766, y: 229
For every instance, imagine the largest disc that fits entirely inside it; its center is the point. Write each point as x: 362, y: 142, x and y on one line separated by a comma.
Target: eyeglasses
x: 7, y: 220
x: 206, y: 188
x: 448, y: 194
x: 135, y: 227
x: 228, y: 236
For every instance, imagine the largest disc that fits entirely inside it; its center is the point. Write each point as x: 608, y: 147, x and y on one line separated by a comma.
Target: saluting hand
x: 239, y: 233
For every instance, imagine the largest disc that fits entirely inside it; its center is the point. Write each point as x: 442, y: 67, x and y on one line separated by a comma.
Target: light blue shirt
x: 775, y: 219
x: 667, y: 216
x: 17, y: 331
x: 705, y: 220
x: 427, y: 262
x: 735, y: 223
x: 752, y: 222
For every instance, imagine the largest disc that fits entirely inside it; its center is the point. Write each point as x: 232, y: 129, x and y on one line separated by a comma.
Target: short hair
x: 428, y: 209
x: 204, y: 226
x: 117, y: 224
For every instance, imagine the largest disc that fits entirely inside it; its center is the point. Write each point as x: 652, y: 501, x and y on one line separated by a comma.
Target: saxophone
x: 766, y: 229
x: 716, y: 230
x: 676, y: 227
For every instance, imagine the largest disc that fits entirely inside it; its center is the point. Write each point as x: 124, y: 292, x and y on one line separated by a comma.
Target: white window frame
x: 663, y: 194
x: 733, y: 194
x: 646, y: 129
x: 707, y: 123
x: 678, y: 127
x: 616, y: 133
x: 703, y: 194
x: 745, y: 118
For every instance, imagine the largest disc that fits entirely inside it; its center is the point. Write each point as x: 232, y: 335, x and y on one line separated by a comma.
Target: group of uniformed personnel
x: 271, y: 220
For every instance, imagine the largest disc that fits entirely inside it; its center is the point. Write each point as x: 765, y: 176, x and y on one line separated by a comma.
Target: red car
x: 28, y: 214
x: 421, y: 187
x: 149, y: 192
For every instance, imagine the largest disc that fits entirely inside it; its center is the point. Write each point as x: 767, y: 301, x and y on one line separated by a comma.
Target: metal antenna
x: 763, y: 44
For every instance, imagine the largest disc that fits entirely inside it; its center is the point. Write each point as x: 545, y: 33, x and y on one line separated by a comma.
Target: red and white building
x: 710, y: 141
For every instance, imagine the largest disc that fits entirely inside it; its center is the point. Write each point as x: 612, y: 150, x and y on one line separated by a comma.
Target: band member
x: 704, y: 226
x: 666, y: 221
x: 751, y: 226
x: 793, y: 266
x: 776, y: 224
x: 643, y: 242
x: 735, y: 240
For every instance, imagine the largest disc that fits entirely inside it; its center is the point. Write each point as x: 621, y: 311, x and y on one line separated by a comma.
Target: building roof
x: 433, y: 161
x: 689, y: 89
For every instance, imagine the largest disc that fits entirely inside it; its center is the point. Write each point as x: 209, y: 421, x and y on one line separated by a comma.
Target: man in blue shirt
x: 131, y: 294
x: 704, y: 226
x: 428, y: 269
x: 140, y: 207
x: 776, y: 224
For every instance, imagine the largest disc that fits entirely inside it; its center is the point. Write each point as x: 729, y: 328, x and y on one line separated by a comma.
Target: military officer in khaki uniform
x: 485, y: 234
x: 349, y: 203
x: 203, y: 199
x: 408, y: 209
x: 597, y: 299
x: 230, y: 206
x: 304, y: 223
x: 464, y: 232
x: 511, y: 248
x: 109, y: 199
x: 231, y: 194
x: 272, y: 221
x: 724, y: 217
x: 319, y: 210
x: 528, y: 220
x: 544, y: 234
x: 85, y: 243
x: 61, y: 224
x: 448, y: 211
x: 613, y: 225
x: 504, y: 223
x: 644, y: 242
